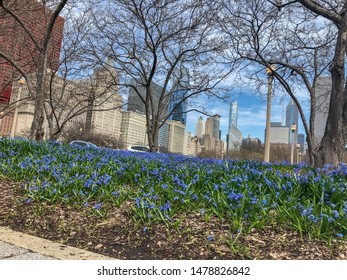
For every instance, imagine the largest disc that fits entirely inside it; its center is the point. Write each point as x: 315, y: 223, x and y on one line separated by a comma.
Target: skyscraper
x: 212, y: 126
x: 233, y: 114
x: 279, y: 133
x: 292, y: 116
x: 133, y: 128
x: 105, y: 110
x: 200, y: 127
x: 301, y: 141
x: 176, y: 141
x: 163, y: 137
x: 135, y: 104
x: 178, y: 106
x: 234, y: 137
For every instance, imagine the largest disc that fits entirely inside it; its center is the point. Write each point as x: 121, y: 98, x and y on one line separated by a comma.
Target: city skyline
x: 251, y: 115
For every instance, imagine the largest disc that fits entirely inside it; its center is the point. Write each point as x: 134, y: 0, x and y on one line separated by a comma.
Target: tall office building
x: 301, y: 141
x: 105, y: 114
x: 212, y: 126
x: 279, y: 133
x: 177, y: 142
x: 163, y: 136
x: 292, y: 116
x: 211, y: 138
x: 73, y: 100
x: 234, y: 137
x: 133, y: 128
x: 68, y: 98
x: 135, y: 104
x: 200, y: 128
x: 233, y: 114
x: 178, y: 106
x: 323, y: 92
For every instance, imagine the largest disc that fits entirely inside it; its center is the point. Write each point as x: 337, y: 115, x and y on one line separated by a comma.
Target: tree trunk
x: 332, y: 146
x: 152, y: 133
x: 37, y: 131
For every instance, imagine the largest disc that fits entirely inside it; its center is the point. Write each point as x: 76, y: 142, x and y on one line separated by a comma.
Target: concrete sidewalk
x: 20, y: 246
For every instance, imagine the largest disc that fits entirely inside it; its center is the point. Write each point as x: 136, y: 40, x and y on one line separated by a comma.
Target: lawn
x: 153, y: 206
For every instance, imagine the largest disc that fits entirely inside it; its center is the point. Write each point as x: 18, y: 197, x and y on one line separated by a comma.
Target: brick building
x: 17, y: 45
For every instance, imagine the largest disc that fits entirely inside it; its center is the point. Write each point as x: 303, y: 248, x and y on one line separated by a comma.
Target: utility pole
x: 292, y: 153
x: 268, y: 112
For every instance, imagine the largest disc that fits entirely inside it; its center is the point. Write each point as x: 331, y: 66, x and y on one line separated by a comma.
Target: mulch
x: 120, y: 236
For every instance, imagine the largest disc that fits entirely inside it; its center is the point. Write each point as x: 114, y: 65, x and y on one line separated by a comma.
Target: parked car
x: 138, y: 148
x: 83, y: 144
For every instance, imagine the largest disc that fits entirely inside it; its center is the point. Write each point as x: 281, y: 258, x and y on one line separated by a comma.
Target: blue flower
x: 97, y: 206
x: 336, y: 214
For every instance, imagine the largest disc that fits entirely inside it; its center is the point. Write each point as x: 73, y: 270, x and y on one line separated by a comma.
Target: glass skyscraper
x: 233, y: 114
x: 292, y: 116
x: 176, y: 105
x: 234, y: 137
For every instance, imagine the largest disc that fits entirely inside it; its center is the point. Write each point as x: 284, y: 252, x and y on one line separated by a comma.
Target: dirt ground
x: 119, y: 236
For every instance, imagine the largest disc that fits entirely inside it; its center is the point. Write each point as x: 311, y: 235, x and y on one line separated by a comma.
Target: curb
x: 46, y: 247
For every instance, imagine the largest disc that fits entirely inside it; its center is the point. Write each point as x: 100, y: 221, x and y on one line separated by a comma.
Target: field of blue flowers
x: 162, y: 187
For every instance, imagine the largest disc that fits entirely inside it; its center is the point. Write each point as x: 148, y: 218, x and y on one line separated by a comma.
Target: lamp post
x: 196, y: 139
x: 297, y: 153
x: 292, y: 153
x: 268, y: 112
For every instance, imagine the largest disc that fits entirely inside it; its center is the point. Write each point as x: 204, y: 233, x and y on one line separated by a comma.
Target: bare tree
x: 80, y: 87
x: 39, y: 46
x: 293, y: 43
x: 332, y: 145
x: 72, y: 88
x: 331, y: 148
x: 158, y: 44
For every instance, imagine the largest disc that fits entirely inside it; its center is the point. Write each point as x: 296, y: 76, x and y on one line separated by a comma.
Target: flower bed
x: 245, y: 194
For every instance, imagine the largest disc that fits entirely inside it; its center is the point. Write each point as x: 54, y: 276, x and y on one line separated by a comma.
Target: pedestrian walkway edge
x: 46, y: 247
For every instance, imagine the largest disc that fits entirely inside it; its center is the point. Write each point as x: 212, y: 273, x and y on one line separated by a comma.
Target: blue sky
x: 251, y: 114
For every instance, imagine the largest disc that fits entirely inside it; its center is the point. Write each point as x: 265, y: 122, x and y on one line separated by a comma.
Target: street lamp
x: 196, y: 139
x: 297, y: 153
x: 269, y: 71
x: 292, y: 153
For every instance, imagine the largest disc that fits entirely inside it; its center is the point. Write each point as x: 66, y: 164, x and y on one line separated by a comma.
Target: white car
x: 138, y: 148
x: 83, y: 144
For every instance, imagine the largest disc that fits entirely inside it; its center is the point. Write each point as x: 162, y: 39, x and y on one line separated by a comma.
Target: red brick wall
x: 18, y: 45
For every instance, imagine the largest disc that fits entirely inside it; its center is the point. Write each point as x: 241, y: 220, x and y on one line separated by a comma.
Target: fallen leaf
x: 98, y: 247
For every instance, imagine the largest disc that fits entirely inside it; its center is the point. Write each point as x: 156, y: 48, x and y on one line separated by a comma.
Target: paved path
x: 12, y: 252
x: 20, y: 246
